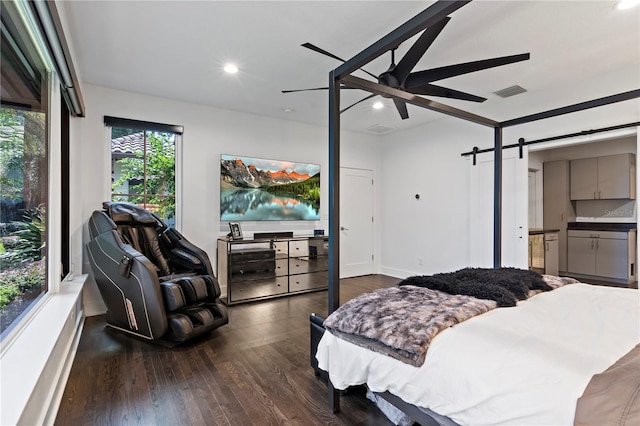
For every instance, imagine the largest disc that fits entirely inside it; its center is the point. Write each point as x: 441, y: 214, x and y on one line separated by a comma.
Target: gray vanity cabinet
x: 603, y: 178
x: 604, y: 254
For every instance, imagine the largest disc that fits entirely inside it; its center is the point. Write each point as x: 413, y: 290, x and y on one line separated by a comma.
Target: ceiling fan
x: 400, y: 75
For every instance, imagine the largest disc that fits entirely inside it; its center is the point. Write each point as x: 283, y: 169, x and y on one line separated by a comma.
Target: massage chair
x: 156, y: 284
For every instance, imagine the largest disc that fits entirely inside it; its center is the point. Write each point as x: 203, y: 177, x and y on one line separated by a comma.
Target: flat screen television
x: 261, y: 189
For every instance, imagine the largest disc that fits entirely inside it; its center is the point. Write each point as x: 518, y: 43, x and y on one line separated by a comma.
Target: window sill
x: 36, y: 365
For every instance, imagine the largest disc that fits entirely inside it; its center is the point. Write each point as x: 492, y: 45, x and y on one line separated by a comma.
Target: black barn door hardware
x: 521, y: 142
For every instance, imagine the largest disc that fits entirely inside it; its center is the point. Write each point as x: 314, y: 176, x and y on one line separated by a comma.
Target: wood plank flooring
x: 253, y: 371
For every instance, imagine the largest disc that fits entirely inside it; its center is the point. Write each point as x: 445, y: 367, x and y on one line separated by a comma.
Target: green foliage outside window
x: 11, y: 154
x: 17, y: 281
x: 26, y: 243
x: 150, y: 179
x: 22, y: 188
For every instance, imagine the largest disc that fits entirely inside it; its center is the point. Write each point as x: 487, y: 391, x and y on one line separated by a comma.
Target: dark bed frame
x: 416, y: 414
x: 342, y: 75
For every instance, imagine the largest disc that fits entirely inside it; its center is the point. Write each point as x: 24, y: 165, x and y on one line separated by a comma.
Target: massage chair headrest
x: 130, y: 214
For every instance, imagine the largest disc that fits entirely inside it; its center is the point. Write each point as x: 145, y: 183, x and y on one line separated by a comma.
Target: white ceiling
x: 580, y: 50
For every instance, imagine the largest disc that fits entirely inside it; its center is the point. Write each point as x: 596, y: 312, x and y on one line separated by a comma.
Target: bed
x: 528, y: 364
x: 571, y: 353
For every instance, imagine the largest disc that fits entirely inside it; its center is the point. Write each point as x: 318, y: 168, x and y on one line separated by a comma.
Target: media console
x: 271, y: 265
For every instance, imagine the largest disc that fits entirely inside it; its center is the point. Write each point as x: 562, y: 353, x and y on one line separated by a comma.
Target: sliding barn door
x: 515, y: 231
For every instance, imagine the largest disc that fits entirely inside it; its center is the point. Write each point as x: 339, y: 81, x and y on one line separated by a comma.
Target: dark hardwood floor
x: 253, y: 371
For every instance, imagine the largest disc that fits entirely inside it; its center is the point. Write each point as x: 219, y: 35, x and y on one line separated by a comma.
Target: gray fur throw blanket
x: 402, y: 321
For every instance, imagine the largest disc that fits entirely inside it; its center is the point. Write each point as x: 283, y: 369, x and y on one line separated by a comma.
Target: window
x: 143, y: 166
x: 26, y: 81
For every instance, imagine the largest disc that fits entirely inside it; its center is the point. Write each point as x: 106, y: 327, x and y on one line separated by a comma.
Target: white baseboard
x: 52, y: 412
x: 92, y: 309
x: 397, y: 273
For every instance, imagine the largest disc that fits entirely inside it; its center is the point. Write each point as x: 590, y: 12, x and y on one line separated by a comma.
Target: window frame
x: 111, y: 122
x: 54, y: 215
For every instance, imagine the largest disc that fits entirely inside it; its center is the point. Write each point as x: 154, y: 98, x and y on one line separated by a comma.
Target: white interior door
x: 356, y: 222
x: 514, y: 210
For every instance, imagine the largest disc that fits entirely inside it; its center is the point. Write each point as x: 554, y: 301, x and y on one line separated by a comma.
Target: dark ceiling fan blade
x: 324, y: 52
x: 411, y: 58
x: 361, y: 100
x: 422, y: 77
x: 444, y: 92
x: 316, y: 88
x: 305, y: 90
x: 402, y: 108
x: 331, y: 55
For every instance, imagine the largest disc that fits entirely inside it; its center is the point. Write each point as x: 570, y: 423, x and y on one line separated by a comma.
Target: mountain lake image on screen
x: 261, y: 189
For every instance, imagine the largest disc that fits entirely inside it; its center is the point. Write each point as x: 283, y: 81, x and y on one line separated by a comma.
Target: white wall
x: 428, y: 235
x: 208, y: 132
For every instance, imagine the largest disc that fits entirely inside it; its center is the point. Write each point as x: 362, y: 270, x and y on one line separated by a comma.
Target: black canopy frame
x: 342, y: 75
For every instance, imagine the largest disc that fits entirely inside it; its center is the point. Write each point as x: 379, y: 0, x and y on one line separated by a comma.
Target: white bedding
x: 523, y: 365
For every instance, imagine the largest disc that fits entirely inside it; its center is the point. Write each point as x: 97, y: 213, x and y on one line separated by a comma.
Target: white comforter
x: 523, y: 365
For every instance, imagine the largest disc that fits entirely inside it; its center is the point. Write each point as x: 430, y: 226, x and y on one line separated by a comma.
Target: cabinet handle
x: 592, y: 240
x: 597, y: 244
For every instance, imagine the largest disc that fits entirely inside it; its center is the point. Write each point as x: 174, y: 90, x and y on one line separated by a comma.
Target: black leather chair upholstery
x: 155, y: 284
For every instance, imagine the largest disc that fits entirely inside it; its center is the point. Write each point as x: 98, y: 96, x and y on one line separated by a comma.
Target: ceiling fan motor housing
x: 388, y: 79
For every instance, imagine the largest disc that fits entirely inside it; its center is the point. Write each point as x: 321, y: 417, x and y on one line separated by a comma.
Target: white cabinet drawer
x: 613, y: 235
x: 299, y: 248
x: 281, y: 248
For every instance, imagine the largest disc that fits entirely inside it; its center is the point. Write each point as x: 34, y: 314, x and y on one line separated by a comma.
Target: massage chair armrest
x: 184, y: 254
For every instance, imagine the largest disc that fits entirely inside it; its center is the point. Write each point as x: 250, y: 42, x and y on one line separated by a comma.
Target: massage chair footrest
x: 195, y: 320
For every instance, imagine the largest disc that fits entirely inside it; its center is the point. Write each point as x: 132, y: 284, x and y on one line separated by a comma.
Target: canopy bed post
x: 497, y: 197
x: 334, y: 192
x: 334, y: 212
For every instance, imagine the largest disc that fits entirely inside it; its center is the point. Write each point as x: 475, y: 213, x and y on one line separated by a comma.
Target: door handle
x: 342, y: 228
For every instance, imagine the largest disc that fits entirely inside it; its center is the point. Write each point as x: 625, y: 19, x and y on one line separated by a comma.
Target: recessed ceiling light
x: 288, y: 109
x: 378, y: 105
x: 231, y: 68
x: 626, y: 4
